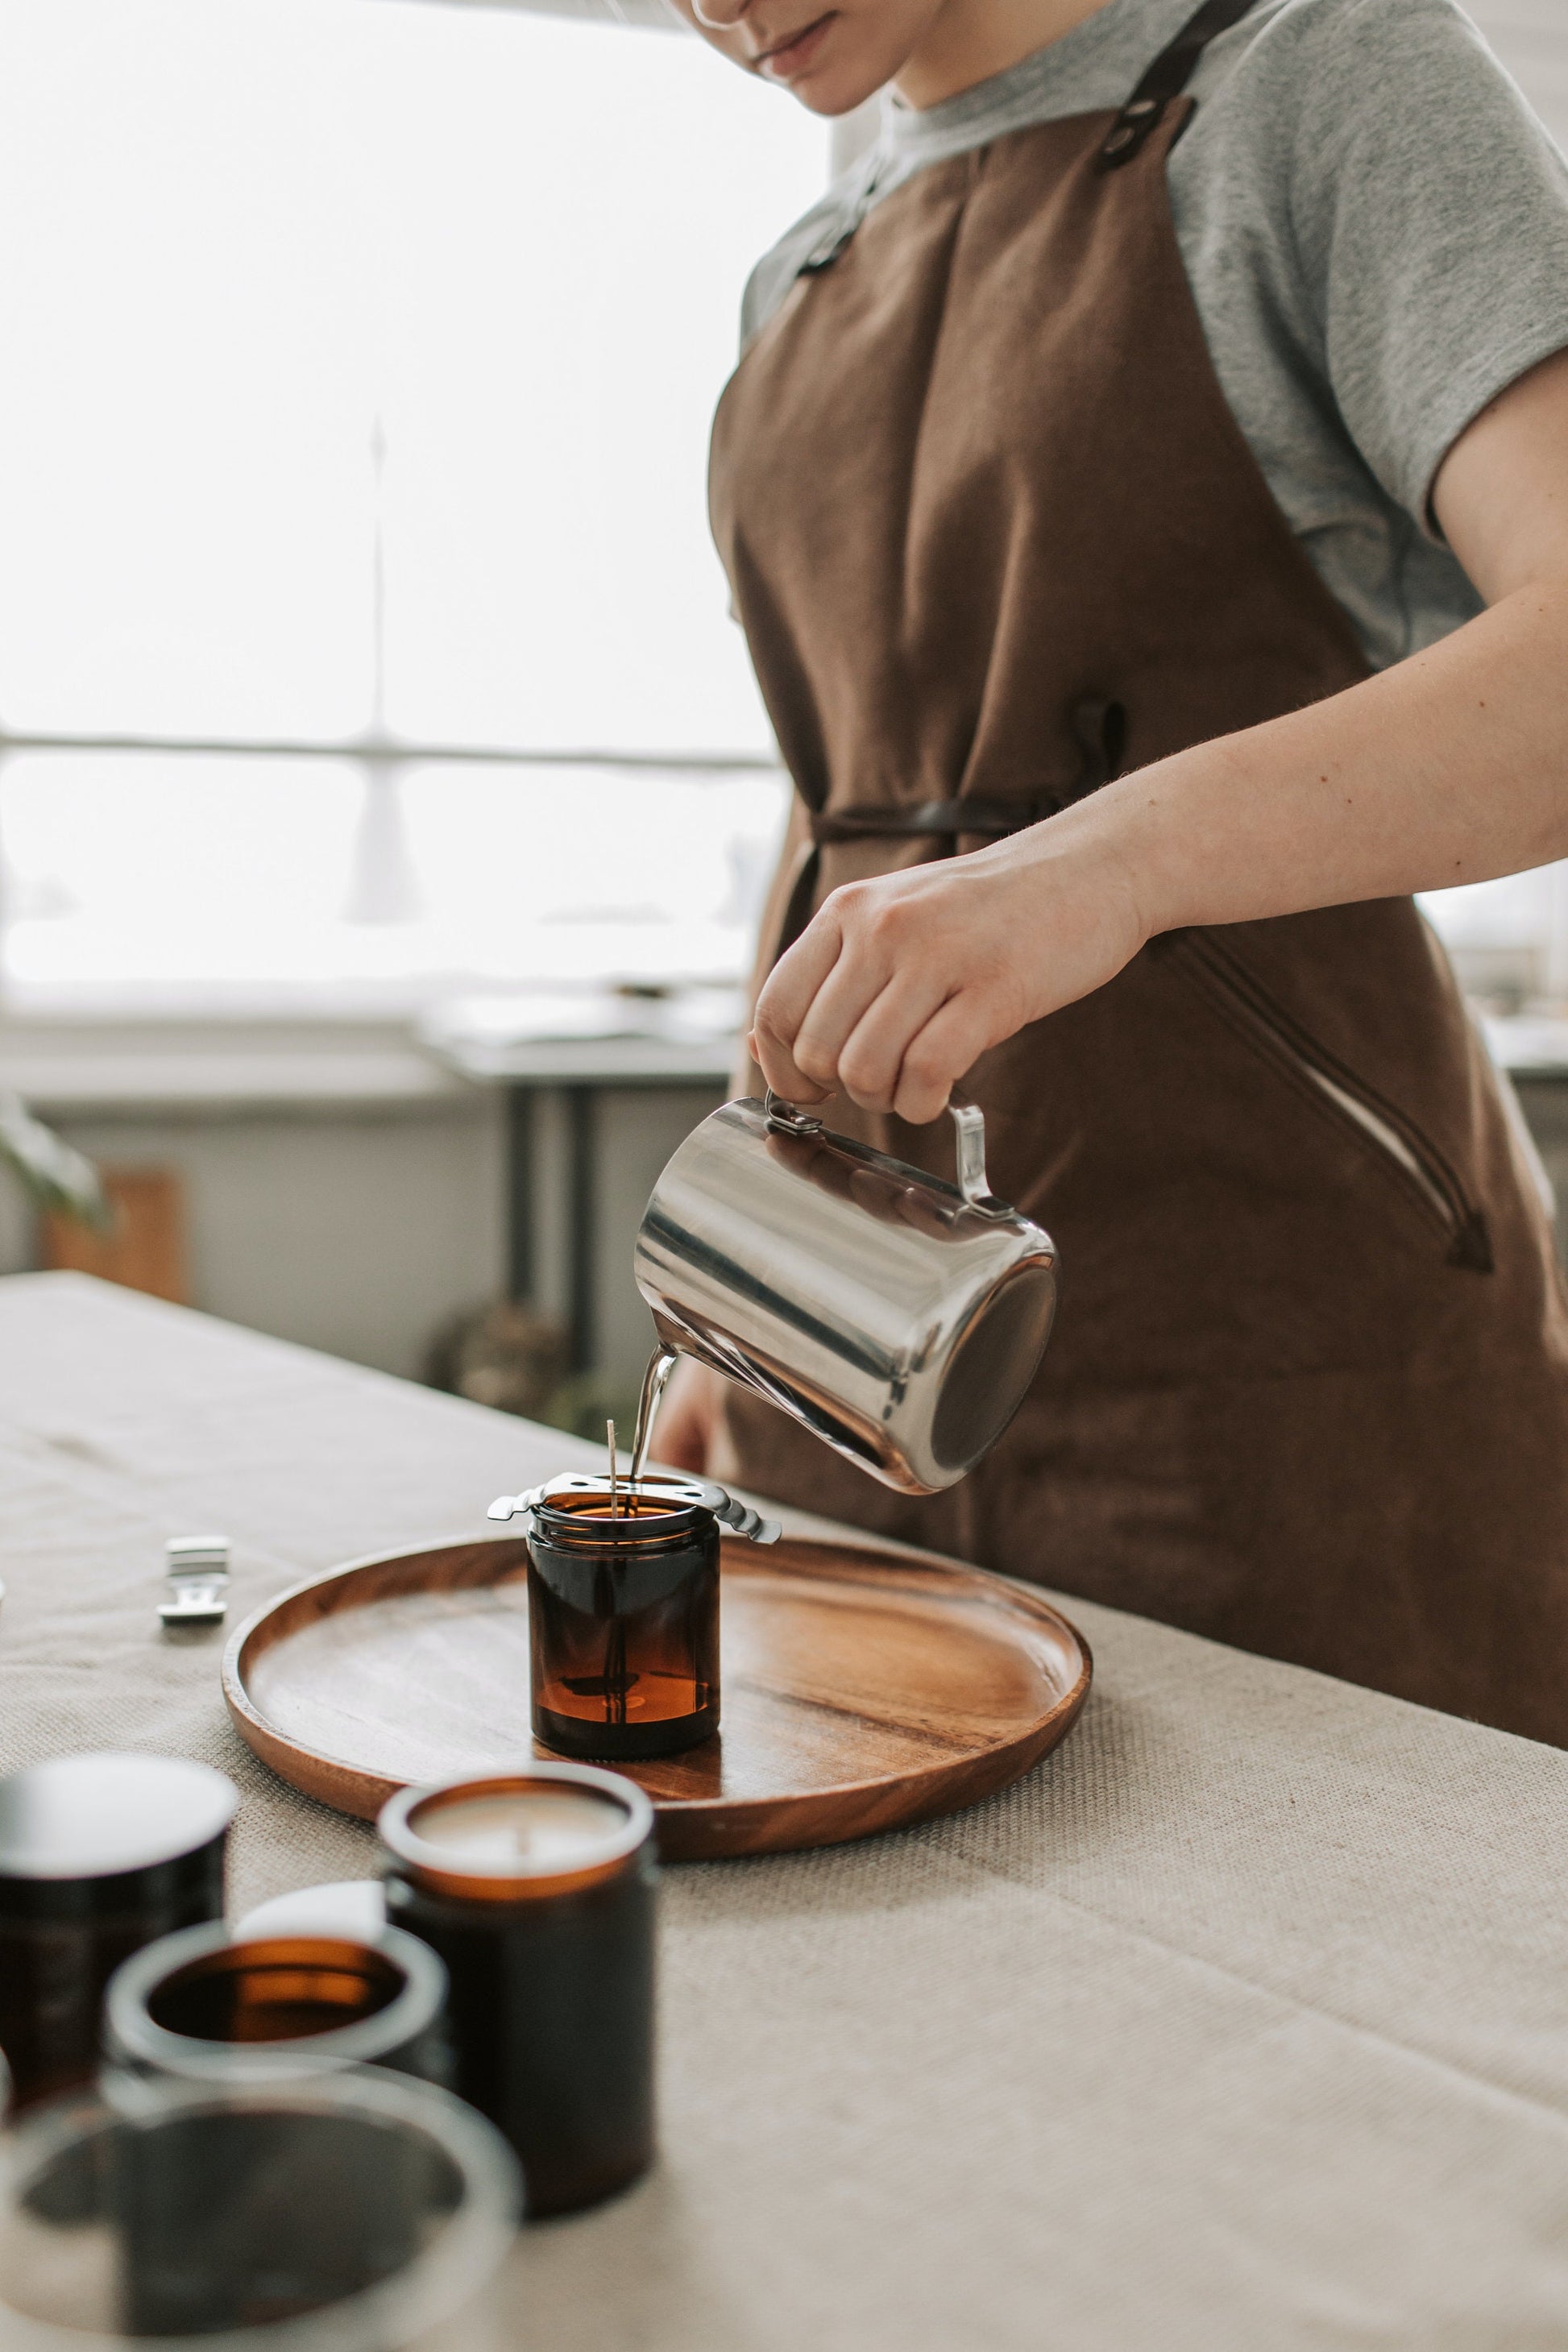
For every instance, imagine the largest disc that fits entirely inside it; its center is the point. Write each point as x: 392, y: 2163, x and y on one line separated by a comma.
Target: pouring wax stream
x: 660, y: 1365
x: 616, y: 1682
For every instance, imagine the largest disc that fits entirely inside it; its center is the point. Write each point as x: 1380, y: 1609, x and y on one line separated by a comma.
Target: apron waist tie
x: 886, y: 820
x: 1100, y: 727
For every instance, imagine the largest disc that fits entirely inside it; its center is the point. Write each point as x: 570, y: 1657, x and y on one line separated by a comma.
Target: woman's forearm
x: 1452, y: 767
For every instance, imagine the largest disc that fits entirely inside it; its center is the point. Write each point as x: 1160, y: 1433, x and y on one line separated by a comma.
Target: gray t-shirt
x: 1375, y: 227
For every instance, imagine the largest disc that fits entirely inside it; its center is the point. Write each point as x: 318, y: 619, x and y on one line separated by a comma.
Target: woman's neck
x: 973, y: 40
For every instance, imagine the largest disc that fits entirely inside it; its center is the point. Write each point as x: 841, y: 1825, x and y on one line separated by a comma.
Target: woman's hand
x: 900, y: 983
x: 684, y: 1429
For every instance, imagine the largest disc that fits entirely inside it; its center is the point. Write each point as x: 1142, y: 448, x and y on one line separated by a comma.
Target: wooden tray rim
x: 1023, y: 1749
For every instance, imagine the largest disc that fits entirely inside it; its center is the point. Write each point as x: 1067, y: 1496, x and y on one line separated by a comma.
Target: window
x: 360, y: 636
x: 360, y: 358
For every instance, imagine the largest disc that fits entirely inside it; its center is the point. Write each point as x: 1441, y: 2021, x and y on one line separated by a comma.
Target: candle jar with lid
x: 623, y: 1600
x: 99, y: 1856
x: 537, y: 1888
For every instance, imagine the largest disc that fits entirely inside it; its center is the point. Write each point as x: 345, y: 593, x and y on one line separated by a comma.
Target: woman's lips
x: 786, y: 64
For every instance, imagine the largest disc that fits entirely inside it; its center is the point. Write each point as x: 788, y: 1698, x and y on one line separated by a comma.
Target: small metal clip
x: 511, y: 1506
x: 198, y: 1579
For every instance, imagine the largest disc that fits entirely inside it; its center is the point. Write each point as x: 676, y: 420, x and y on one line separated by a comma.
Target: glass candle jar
x: 99, y: 1856
x: 537, y: 1887
x: 622, y: 1599
x: 215, y: 2008
x: 351, y: 2212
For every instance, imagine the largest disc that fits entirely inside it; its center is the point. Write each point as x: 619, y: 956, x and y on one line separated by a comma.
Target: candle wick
x: 610, y: 1433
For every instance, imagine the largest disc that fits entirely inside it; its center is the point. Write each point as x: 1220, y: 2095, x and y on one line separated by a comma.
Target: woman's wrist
x: 1122, y: 849
x: 1170, y: 826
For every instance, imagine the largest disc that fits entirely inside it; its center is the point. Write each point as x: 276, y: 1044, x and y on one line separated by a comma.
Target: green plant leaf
x: 51, y: 1173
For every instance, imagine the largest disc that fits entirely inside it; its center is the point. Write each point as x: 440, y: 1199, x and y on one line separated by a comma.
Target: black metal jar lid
x: 86, y: 1835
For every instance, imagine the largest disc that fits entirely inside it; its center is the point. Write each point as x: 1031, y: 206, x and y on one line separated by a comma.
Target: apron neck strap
x: 1165, y: 80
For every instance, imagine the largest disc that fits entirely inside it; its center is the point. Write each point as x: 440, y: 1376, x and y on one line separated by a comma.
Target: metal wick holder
x: 197, y: 1581
x: 726, y: 1508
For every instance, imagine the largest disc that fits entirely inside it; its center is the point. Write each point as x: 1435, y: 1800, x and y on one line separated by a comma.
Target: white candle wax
x: 351, y: 1907
x: 556, y: 1827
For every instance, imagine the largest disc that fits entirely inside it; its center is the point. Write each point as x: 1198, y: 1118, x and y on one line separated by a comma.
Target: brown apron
x: 992, y: 532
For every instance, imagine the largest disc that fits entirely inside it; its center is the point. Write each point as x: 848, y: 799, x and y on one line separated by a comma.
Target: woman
x: 1146, y: 492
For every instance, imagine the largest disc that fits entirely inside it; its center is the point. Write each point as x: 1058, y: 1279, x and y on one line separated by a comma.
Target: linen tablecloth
x: 1242, y: 2022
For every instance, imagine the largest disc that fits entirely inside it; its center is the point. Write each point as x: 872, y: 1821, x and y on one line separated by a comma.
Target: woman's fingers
x: 901, y: 982
x: 937, y: 1056
x: 778, y: 1064
x: 842, y: 1006
x: 835, y: 1016
x: 790, y: 988
x: 873, y: 1054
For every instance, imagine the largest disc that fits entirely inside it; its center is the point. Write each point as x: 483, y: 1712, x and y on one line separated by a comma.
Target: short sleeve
x: 1429, y: 214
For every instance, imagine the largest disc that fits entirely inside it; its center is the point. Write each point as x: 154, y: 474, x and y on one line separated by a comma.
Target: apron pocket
x: 1426, y: 1175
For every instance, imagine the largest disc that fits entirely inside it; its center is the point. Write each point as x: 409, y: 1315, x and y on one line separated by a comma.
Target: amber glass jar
x: 538, y: 1889
x: 213, y: 2007
x: 623, y: 1598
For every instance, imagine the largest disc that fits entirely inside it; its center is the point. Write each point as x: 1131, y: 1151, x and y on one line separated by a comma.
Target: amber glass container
x: 623, y: 1598
x: 537, y: 1887
x: 217, y: 2008
x: 99, y: 1856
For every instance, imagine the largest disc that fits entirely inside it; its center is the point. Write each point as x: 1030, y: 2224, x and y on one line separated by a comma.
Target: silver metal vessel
x: 899, y: 1317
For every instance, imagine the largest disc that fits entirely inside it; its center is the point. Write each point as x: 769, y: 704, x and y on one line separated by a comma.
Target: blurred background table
x: 1242, y: 2022
x: 560, y: 1055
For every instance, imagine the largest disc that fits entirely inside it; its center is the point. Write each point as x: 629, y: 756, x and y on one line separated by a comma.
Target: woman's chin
x: 835, y: 93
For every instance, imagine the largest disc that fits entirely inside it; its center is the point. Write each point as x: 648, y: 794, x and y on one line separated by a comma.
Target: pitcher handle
x: 969, y: 1120
x: 967, y: 1117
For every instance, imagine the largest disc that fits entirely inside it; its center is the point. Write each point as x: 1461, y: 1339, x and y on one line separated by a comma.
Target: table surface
x: 1242, y: 2022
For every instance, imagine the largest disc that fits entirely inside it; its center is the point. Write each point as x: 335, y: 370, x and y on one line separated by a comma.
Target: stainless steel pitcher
x: 897, y: 1318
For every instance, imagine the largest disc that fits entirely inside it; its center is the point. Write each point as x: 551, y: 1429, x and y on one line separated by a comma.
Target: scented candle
x: 622, y: 1598
x: 536, y: 1887
x: 99, y: 1856
x: 356, y: 1907
x: 215, y: 2008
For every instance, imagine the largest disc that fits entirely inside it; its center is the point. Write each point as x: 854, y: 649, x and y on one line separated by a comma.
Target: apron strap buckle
x: 1165, y: 80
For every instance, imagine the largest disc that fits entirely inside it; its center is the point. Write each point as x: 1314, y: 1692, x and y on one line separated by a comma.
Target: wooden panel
x: 145, y: 1247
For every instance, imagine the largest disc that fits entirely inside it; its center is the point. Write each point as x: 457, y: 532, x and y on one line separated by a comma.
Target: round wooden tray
x: 861, y: 1690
